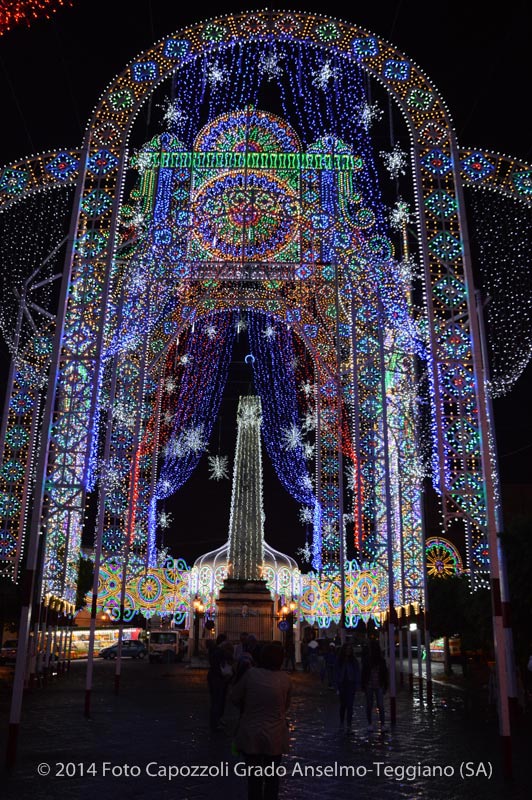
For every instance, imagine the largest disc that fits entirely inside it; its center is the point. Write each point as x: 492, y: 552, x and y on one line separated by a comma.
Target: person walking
x: 263, y: 696
x: 347, y: 679
x: 313, y: 655
x: 374, y: 682
x: 219, y: 674
x: 290, y: 654
x: 330, y: 665
x: 252, y: 647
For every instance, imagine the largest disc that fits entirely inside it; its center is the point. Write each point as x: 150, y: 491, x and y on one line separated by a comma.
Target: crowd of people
x: 250, y: 691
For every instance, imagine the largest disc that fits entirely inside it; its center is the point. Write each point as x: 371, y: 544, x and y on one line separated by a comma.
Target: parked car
x: 131, y: 648
x: 8, y: 652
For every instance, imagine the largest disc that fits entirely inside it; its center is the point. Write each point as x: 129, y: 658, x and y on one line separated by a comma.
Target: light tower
x: 246, y: 522
x: 244, y: 602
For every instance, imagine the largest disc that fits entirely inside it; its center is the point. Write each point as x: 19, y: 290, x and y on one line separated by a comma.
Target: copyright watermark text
x: 223, y: 769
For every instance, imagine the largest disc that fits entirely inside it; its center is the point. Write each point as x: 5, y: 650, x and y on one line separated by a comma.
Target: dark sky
x: 476, y: 54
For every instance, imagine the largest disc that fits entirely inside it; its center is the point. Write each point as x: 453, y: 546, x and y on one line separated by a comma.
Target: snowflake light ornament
x: 241, y: 325
x: 305, y: 553
x: 218, y: 468
x: 110, y: 477
x: 329, y: 534
x: 123, y: 416
x: 173, y: 114
x: 305, y: 515
x: 166, y: 486
x: 170, y: 384
x: 322, y: 76
x: 143, y: 160
x: 307, y: 388
x: 351, y: 474
x: 407, y: 270
x: 367, y: 114
x: 269, y: 332
x: 138, y: 220
x: 194, y: 439
x: 215, y: 74
x: 175, y: 448
x: 164, y: 520
x: 305, y: 481
x: 308, y: 450
x: 292, y: 437
x: 396, y: 161
x: 309, y: 421
x: 185, y: 359
x: 168, y: 417
x: 400, y: 215
x: 269, y: 65
x: 162, y: 558
x: 211, y: 331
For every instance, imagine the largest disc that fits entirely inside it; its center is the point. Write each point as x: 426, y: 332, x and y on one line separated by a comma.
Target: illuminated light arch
x: 481, y: 169
x: 443, y: 558
x: 43, y: 172
x: 453, y: 332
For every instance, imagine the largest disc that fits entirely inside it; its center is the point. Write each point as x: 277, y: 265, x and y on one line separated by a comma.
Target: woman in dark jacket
x: 218, y: 677
x: 374, y: 681
x: 347, y: 679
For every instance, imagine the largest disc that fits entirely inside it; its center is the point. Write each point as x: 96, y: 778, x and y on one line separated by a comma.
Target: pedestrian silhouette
x: 263, y: 696
x: 374, y: 681
x: 347, y: 680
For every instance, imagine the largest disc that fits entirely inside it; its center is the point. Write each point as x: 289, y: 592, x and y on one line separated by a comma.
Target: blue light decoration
x: 184, y: 253
x: 274, y: 378
x: 194, y: 408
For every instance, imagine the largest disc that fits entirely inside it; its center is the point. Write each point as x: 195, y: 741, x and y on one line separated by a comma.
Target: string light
x: 323, y: 227
x: 18, y: 12
x: 502, y: 237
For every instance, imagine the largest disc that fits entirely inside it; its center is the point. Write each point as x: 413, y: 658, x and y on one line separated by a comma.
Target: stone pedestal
x: 245, y: 607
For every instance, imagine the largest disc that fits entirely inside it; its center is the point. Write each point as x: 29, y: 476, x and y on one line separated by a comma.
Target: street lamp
x: 287, y: 627
x: 199, y: 608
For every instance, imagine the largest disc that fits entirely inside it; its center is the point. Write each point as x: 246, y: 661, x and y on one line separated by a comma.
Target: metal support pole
x: 29, y: 576
x: 401, y: 664
x: 129, y: 533
x: 502, y: 635
x: 409, y: 656
x: 389, y: 525
x: 503, y: 573
x: 419, y: 661
x: 340, y: 432
x: 98, y: 546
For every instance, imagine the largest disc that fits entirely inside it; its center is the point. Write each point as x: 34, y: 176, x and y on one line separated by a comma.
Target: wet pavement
x: 153, y: 740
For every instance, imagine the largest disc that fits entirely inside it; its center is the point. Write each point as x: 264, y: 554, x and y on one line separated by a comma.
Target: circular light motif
x: 8, y: 544
x: 12, y: 471
x: 149, y: 588
x: 9, y: 505
x: 443, y: 559
x: 250, y: 217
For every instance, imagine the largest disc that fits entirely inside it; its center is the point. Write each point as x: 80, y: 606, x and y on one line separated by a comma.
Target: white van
x: 165, y: 645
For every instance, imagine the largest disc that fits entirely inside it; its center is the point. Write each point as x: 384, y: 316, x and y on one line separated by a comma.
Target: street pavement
x: 153, y: 740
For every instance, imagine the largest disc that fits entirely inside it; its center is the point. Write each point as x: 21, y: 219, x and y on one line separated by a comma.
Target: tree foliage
x: 517, y: 546
x: 85, y: 578
x: 455, y: 610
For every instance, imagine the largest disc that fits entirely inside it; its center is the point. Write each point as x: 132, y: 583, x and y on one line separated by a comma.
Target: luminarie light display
x: 241, y: 212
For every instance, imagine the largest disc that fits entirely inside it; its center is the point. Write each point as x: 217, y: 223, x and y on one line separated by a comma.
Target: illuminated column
x: 246, y: 524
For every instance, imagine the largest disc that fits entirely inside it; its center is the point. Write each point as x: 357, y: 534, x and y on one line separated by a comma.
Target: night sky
x: 478, y: 57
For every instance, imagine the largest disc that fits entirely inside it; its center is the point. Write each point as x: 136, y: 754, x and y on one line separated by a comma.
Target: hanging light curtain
x: 204, y: 365
x: 274, y: 376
